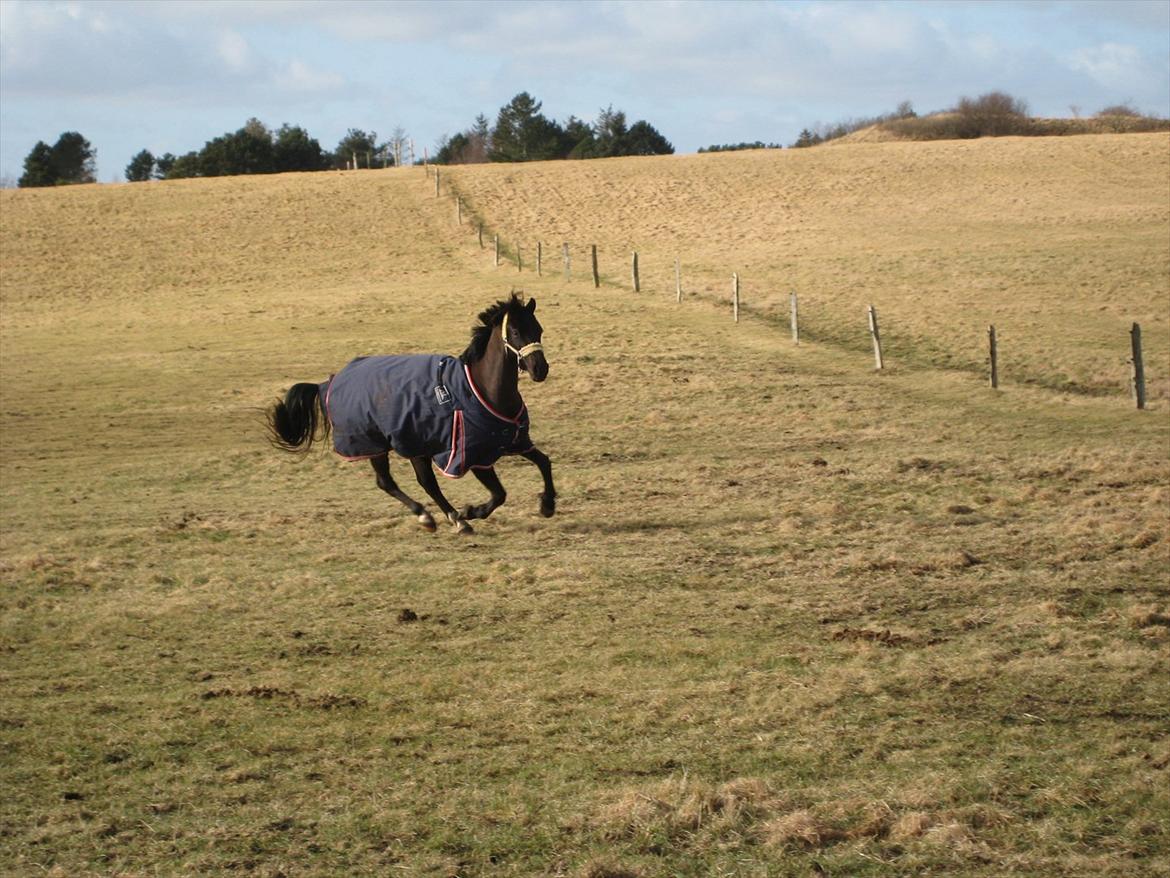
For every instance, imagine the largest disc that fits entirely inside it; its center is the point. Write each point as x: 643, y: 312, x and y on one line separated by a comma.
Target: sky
x: 169, y: 76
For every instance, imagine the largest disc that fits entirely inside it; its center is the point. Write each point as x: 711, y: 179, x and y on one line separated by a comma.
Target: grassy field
x: 792, y: 617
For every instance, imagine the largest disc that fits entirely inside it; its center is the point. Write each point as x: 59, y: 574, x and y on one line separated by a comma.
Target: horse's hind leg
x: 386, y: 482
x: 426, y: 477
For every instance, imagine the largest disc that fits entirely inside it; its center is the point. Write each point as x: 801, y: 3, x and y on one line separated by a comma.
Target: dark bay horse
x: 461, y: 413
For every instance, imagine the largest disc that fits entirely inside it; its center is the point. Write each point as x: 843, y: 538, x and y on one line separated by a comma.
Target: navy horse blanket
x: 422, y: 405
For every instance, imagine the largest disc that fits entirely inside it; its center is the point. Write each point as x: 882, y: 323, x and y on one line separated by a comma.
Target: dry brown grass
x: 790, y: 616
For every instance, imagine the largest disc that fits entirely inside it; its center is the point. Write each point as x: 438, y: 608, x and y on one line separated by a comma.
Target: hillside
x: 1062, y: 243
x: 792, y: 616
x: 1037, y: 127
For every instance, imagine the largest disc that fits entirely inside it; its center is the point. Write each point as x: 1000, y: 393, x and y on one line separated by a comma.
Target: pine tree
x: 38, y: 167
x: 522, y: 134
x: 141, y: 167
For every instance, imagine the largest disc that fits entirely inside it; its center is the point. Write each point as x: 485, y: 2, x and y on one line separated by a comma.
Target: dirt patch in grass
x: 885, y: 637
x: 321, y: 701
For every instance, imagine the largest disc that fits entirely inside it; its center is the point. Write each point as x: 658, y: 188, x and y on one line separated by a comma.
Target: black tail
x: 295, y: 423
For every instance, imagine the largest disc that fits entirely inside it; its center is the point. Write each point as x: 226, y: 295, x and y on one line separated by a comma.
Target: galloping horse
x: 452, y: 410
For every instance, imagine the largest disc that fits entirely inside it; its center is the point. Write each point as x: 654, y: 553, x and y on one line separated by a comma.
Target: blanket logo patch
x: 442, y: 394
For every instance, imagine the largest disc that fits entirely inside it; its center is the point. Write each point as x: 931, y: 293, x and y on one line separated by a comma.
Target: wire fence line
x: 505, y: 254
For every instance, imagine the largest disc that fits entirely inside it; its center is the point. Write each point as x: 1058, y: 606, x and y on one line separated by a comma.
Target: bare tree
x: 397, y: 145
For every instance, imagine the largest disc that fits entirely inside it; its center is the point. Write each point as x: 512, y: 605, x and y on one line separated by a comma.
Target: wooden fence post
x: 459, y: 210
x: 634, y: 272
x: 735, y: 296
x: 877, y: 339
x: 596, y: 276
x: 793, y: 319
x: 565, y: 256
x: 539, y: 257
x: 677, y: 281
x: 497, y: 238
x: 436, y: 182
x: 1139, y: 371
x: 993, y: 352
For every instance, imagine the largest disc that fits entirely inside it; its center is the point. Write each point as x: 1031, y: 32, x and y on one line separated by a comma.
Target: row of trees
x: 523, y: 134
x: 735, y: 147
x: 254, y: 149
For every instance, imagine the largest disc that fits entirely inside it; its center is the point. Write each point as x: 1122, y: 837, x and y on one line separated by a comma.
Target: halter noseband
x: 520, y: 353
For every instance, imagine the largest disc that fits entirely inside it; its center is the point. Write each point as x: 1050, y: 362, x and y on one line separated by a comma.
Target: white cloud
x: 298, y: 76
x: 142, y: 53
x: 234, y: 51
x: 1109, y: 63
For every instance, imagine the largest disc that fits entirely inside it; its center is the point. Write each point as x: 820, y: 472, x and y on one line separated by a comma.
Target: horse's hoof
x: 547, y: 507
x: 462, y: 527
x: 427, y: 522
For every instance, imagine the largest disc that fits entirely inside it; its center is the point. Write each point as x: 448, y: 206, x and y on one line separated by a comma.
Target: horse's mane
x: 482, y: 331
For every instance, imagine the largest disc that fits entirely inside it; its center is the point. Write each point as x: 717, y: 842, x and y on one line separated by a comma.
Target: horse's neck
x: 496, y: 377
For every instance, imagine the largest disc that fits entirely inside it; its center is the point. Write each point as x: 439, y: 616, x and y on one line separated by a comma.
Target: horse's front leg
x: 426, y: 477
x: 491, y: 481
x: 548, y: 499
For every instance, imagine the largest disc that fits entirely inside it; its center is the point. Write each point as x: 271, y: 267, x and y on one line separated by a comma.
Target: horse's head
x: 521, y: 332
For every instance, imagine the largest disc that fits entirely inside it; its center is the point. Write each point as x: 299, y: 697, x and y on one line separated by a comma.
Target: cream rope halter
x: 520, y: 353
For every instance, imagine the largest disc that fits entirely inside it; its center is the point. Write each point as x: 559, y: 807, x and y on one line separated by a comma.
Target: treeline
x: 734, y: 147
x: 522, y: 133
x: 255, y: 149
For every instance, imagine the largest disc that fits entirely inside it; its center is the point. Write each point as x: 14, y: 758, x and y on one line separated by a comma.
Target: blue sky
x: 168, y: 76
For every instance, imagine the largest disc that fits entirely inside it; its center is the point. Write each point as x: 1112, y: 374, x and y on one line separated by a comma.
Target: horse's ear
x: 531, y: 306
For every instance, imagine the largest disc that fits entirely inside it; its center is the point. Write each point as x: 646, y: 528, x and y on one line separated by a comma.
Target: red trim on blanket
x: 458, y: 447
x: 486, y: 405
x: 349, y: 459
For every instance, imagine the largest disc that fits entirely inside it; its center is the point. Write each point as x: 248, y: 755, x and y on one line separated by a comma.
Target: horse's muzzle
x: 535, y: 365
